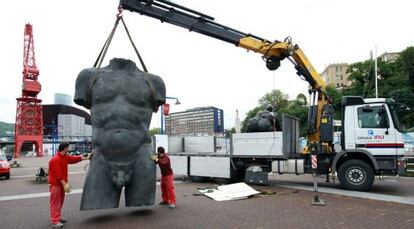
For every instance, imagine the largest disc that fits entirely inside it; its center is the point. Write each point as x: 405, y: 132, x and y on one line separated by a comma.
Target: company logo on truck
x: 371, y: 136
x: 372, y: 140
x: 370, y: 133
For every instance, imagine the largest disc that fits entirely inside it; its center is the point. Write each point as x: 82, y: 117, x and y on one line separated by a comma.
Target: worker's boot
x: 57, y: 225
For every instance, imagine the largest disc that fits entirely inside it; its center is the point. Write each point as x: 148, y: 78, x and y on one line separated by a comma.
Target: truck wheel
x: 7, y: 176
x: 356, y: 175
x: 198, y: 179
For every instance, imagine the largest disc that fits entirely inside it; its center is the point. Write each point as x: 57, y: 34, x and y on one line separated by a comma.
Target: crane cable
x: 102, y: 53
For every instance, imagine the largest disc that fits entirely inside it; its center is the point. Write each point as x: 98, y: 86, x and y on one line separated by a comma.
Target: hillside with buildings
x: 6, y: 129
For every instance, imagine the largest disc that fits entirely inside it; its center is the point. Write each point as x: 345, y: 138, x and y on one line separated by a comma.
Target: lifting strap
x: 102, y: 53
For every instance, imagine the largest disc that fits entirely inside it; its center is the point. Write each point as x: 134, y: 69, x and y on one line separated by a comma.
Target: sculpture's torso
x: 121, y: 112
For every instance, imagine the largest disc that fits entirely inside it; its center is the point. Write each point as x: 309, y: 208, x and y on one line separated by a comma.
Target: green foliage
x: 297, y: 109
x: 301, y: 98
x: 337, y: 101
x: 6, y: 129
x: 250, y: 114
x: 406, y: 61
x: 276, y: 98
x: 281, y: 104
x: 396, y: 80
x: 155, y: 131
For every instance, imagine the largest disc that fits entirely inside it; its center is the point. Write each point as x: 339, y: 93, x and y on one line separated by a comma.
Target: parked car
x: 4, y: 166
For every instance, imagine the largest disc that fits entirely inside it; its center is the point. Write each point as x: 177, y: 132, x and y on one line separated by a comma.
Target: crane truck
x: 371, y: 138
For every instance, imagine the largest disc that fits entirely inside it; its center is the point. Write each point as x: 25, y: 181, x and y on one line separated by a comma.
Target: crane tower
x: 29, y: 118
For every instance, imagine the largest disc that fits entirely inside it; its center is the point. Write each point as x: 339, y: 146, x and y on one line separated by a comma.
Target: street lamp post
x: 177, y: 102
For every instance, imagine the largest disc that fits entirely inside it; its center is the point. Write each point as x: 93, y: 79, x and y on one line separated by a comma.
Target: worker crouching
x: 167, y: 177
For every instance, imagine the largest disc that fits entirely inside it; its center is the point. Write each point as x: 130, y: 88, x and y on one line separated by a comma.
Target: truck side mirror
x: 384, y: 118
x: 382, y: 111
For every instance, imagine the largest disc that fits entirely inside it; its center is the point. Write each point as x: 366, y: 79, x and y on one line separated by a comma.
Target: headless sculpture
x: 265, y: 121
x: 121, y: 99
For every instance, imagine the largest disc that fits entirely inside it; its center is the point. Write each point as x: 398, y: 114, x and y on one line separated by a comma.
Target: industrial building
x: 196, y: 121
x: 68, y: 120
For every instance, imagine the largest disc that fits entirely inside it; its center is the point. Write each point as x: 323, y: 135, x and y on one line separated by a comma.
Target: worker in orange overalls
x: 58, y: 182
x: 167, y: 177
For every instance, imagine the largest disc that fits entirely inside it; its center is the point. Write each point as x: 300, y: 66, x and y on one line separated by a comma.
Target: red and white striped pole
x: 314, y: 162
x: 316, y: 200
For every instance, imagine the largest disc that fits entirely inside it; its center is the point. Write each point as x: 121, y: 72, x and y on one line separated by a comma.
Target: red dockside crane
x: 29, y: 118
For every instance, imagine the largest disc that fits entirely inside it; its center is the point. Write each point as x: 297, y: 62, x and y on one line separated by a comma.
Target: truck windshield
x: 398, y: 112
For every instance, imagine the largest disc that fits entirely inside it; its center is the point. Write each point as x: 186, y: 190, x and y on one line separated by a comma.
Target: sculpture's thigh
x: 98, y: 191
x: 141, y: 190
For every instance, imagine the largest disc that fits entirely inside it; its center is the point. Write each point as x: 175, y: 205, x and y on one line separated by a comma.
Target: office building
x: 196, y: 121
x: 336, y: 75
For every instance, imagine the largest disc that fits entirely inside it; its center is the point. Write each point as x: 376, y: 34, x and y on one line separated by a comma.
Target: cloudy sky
x: 199, y: 70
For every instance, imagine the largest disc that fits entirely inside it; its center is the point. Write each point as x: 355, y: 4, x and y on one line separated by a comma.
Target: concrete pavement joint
x: 25, y: 176
x: 46, y: 194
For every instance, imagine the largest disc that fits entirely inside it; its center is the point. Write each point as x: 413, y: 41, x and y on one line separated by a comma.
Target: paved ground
x: 401, y: 186
x: 288, y: 208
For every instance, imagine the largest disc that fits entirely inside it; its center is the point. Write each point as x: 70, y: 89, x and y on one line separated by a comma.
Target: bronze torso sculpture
x: 121, y: 99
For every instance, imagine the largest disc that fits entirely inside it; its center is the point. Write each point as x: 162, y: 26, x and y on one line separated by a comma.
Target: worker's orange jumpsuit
x: 167, y: 180
x: 58, y: 170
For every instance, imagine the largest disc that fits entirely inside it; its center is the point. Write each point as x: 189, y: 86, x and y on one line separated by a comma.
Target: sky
x: 199, y: 70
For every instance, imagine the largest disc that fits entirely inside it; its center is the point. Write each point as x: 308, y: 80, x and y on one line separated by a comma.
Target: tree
x: 301, y: 98
x: 299, y: 110
x: 406, y: 61
x: 396, y: 80
x: 155, y: 131
x: 337, y: 101
x: 250, y: 114
x: 275, y: 98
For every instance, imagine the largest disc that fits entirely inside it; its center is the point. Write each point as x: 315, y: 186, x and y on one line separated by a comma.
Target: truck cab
x: 371, y: 142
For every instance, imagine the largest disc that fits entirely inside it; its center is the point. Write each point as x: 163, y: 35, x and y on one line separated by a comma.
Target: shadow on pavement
x: 102, y: 219
x: 142, y: 212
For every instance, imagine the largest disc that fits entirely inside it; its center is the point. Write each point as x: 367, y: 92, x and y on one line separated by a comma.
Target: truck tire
x: 7, y: 176
x: 356, y: 175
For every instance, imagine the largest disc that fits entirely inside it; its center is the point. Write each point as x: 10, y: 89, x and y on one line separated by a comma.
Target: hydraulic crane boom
x: 273, y: 51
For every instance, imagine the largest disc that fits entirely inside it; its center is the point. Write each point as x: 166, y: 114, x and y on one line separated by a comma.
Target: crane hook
x: 120, y: 12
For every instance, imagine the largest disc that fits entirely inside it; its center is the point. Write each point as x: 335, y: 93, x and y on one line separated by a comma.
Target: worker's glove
x: 154, y: 158
x: 87, y: 156
x: 67, y: 188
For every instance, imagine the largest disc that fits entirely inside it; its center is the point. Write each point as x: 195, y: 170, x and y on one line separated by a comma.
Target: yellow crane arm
x: 273, y: 52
